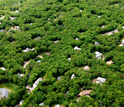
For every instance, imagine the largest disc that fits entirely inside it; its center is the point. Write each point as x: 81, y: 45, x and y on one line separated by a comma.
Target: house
x: 2, y: 30
x: 41, y: 104
x: 123, y: 27
x: 16, y: 28
x: 69, y: 59
x: 111, y: 32
x: 21, y: 102
x: 39, y: 56
x: 59, y: 78
x: 2, y: 68
x: 87, y: 68
x: 38, y: 61
x: 122, y: 42
x: 76, y: 48
x: 37, y: 38
x: 4, y: 93
x: 76, y: 38
x: 109, y: 62
x: 96, y: 43
x: 26, y: 63
x: 99, y: 16
x: 98, y: 55
x: 56, y: 41
x: 2, y: 17
x: 12, y: 18
x: 102, y: 26
x: 58, y: 105
x: 81, y: 10
x: 16, y: 11
x: 28, y: 49
x: 17, y: 105
x: 73, y: 75
x: 0, y: 23
x: 36, y: 82
x: 20, y: 75
x: 48, y: 53
x: 85, y: 92
x: 100, y: 80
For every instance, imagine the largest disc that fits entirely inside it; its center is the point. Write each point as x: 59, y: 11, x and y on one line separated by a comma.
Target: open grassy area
x: 9, y: 86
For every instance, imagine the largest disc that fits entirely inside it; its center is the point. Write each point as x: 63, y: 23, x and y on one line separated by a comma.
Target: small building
x: 12, y: 18
x: 48, y: 53
x: 109, y: 62
x: 28, y: 49
x: 36, y: 82
x: 122, y: 42
x: 59, y: 78
x: 76, y: 48
x: 37, y: 38
x: 21, y: 102
x: 98, y: 16
x: 16, y: 11
x: 38, y: 61
x: 56, y: 41
x: 98, y: 55
x: 20, y: 75
x: 15, y: 28
x: 96, y: 43
x: 99, y: 80
x: 2, y: 68
x: 17, y: 105
x: 102, y: 26
x: 58, y: 105
x: 85, y: 92
x: 40, y: 56
x: 72, y: 76
x: 2, y: 30
x: 26, y: 63
x: 2, y: 17
x: 76, y: 38
x: 87, y: 68
x: 81, y: 10
x: 41, y: 104
x: 69, y: 59
x: 4, y: 93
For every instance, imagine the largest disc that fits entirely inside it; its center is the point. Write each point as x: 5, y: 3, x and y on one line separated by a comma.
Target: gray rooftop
x: 4, y: 92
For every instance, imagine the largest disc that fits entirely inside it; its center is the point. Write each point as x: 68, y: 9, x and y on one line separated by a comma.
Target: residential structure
x: 73, y: 75
x: 85, y: 92
x: 4, y: 93
x: 87, y: 68
x: 98, y: 55
x: 76, y: 48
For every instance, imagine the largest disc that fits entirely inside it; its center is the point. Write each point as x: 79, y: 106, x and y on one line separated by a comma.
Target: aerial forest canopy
x: 62, y: 53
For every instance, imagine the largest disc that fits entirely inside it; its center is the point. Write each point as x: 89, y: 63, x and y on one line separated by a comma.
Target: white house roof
x: 73, y: 75
x: 2, y: 68
x: 59, y: 78
x: 100, y: 80
x: 36, y: 82
x: 76, y: 38
x: 102, y: 26
x: 21, y: 102
x: 98, y: 55
x: 96, y: 43
x: 56, y: 41
x: 57, y: 105
x: 76, y: 48
x: 41, y: 104
x: 122, y: 42
x: 69, y: 59
x: 2, y: 30
x: 86, y: 68
x: 4, y: 92
x: 26, y: 63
